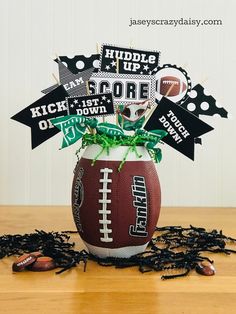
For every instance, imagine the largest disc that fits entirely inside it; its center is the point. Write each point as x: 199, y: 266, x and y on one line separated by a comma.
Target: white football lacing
x: 104, y: 201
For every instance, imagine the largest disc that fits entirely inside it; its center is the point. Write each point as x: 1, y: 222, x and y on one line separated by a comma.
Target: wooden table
x: 109, y: 290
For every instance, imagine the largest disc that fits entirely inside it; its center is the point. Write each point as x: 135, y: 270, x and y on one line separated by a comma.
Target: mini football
x: 116, y: 212
x: 170, y: 86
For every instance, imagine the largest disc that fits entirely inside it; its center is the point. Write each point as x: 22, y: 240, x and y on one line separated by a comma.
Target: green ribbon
x: 152, y: 138
x: 73, y: 128
x: 110, y: 129
x: 107, y: 135
x: 140, y: 138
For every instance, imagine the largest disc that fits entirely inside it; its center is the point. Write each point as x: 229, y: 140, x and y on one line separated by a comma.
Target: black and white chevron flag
x: 49, y: 89
x: 74, y: 84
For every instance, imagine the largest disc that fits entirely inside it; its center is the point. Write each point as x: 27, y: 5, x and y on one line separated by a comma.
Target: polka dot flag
x: 81, y: 63
x: 200, y: 103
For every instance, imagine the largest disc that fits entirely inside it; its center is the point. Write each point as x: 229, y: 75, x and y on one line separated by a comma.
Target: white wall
x: 33, y: 30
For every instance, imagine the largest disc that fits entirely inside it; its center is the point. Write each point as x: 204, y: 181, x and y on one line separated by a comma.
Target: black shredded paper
x: 173, y: 249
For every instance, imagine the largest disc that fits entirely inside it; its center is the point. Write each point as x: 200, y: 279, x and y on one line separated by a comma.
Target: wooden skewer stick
x: 154, y: 107
x: 54, y: 76
x: 57, y: 57
x: 122, y: 121
x: 56, y: 79
x: 117, y: 71
x: 87, y: 88
x: 98, y: 48
x: 88, y: 93
x: 117, y: 121
x: 98, y: 51
x: 117, y: 65
x: 204, y: 81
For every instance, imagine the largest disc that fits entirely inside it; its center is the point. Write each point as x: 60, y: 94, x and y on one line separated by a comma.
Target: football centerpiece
x: 121, y: 104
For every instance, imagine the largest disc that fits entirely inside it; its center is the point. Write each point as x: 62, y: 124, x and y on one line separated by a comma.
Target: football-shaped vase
x: 115, y: 212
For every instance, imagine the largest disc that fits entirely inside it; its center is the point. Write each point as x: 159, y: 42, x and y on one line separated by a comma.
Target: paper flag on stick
x: 73, y: 128
x: 38, y: 115
x: 81, y: 63
x: 200, y: 103
x: 182, y: 126
x: 131, y: 61
x: 49, y: 89
x: 91, y: 106
x: 172, y: 82
x: 74, y: 84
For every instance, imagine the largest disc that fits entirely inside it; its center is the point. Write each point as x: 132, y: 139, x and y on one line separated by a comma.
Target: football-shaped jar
x: 116, y: 212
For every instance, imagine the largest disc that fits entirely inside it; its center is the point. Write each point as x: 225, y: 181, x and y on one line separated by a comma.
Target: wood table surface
x: 106, y: 289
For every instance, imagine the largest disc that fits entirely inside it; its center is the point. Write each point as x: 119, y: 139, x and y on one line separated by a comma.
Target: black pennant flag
x: 182, y: 126
x: 37, y: 115
x: 49, y: 89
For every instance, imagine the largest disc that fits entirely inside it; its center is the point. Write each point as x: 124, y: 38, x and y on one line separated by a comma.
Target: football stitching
x: 170, y: 82
x: 105, y: 231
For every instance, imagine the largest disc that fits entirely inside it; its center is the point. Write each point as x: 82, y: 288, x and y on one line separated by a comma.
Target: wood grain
x: 109, y: 290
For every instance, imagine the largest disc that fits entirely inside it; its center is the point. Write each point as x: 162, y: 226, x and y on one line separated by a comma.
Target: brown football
x: 43, y: 263
x: 116, y: 212
x: 170, y: 86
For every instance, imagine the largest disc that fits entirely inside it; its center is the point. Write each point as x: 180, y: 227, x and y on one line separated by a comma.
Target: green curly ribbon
x: 108, y: 136
x: 109, y: 129
x: 152, y: 139
x: 141, y: 138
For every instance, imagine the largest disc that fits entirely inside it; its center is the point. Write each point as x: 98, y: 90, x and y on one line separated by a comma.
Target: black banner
x: 128, y: 61
x: 182, y: 126
x: 91, y: 106
x: 37, y: 115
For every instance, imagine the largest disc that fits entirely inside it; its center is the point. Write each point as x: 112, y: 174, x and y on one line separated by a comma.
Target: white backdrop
x: 32, y: 31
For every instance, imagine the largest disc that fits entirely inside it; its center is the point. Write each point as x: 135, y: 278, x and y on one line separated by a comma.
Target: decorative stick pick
x: 56, y: 79
x: 98, y: 48
x: 98, y: 51
x: 154, y: 107
x: 117, y: 65
x: 117, y: 71
x: 88, y: 93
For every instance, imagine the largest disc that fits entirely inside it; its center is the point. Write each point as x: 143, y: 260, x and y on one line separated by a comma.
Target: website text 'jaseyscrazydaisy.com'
x: 175, y: 22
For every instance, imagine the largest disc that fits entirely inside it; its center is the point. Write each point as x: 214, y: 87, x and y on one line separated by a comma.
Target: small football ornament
x: 116, y: 212
x: 172, y: 82
x: 171, y: 86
